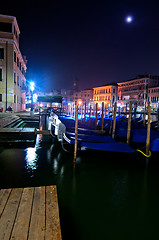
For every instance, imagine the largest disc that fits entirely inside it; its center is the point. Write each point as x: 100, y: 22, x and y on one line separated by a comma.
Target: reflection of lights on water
x: 78, y: 160
x: 62, y: 170
x: 31, y: 158
x: 55, y: 165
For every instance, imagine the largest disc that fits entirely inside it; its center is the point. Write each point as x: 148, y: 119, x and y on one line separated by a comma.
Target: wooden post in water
x: 114, y: 120
x: 90, y: 109
x: 96, y: 114
x: 148, y: 129
x: 85, y: 111
x: 76, y: 135
x: 102, y: 116
x: 129, y: 123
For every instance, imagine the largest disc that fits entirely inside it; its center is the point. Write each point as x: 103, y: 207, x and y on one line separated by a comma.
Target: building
x: 87, y: 96
x: 12, y: 66
x: 106, y: 94
x: 153, y: 97
x: 136, y: 90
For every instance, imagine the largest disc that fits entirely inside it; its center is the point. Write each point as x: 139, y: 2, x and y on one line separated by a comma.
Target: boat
x: 63, y: 128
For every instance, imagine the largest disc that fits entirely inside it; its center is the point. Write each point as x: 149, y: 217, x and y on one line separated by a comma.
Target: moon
x: 129, y: 19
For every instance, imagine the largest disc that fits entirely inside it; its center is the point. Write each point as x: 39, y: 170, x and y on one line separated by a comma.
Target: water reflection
x: 32, y: 156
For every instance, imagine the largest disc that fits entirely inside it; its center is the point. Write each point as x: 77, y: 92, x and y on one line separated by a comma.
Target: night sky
x: 87, y: 40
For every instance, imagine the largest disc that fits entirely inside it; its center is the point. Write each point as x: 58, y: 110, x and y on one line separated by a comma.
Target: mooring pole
x: 129, y: 123
x: 90, y: 109
x: 85, y: 111
x: 102, y: 116
x: 114, y: 120
x: 96, y: 114
x: 76, y: 135
x: 148, y: 129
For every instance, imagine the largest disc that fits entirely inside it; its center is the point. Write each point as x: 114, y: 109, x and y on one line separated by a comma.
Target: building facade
x: 106, y: 94
x: 12, y: 66
x: 136, y: 90
x: 153, y: 97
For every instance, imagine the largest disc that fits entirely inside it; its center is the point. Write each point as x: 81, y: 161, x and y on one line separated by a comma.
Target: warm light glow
x: 79, y: 102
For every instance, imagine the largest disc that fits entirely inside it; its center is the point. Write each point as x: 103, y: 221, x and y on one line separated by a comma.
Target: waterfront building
x: 136, y: 90
x: 87, y: 96
x: 12, y: 66
x: 106, y: 94
x: 153, y: 97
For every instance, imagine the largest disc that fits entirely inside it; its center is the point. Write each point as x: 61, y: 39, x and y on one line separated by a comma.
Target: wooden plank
x: 8, y: 217
x: 37, y: 224
x: 53, y: 231
x: 4, y: 195
x: 20, y: 230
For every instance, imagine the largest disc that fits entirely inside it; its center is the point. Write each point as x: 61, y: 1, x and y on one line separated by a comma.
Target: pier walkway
x: 29, y: 213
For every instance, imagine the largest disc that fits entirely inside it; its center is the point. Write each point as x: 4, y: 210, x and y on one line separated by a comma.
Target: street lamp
x: 32, y: 89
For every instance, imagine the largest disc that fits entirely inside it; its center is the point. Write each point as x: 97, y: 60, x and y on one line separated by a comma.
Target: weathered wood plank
x: 37, y: 224
x: 53, y: 231
x: 29, y: 213
x: 8, y: 217
x: 4, y: 194
x: 20, y: 230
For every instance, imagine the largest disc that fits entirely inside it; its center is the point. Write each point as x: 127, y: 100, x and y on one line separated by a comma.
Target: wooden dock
x: 29, y: 213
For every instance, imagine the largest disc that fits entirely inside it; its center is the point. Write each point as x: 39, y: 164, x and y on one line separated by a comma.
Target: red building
x: 136, y: 90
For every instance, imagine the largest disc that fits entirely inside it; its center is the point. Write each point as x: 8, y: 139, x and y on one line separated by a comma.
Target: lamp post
x: 32, y: 89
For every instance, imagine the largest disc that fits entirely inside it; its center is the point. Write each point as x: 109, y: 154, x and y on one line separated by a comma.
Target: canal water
x: 107, y: 196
